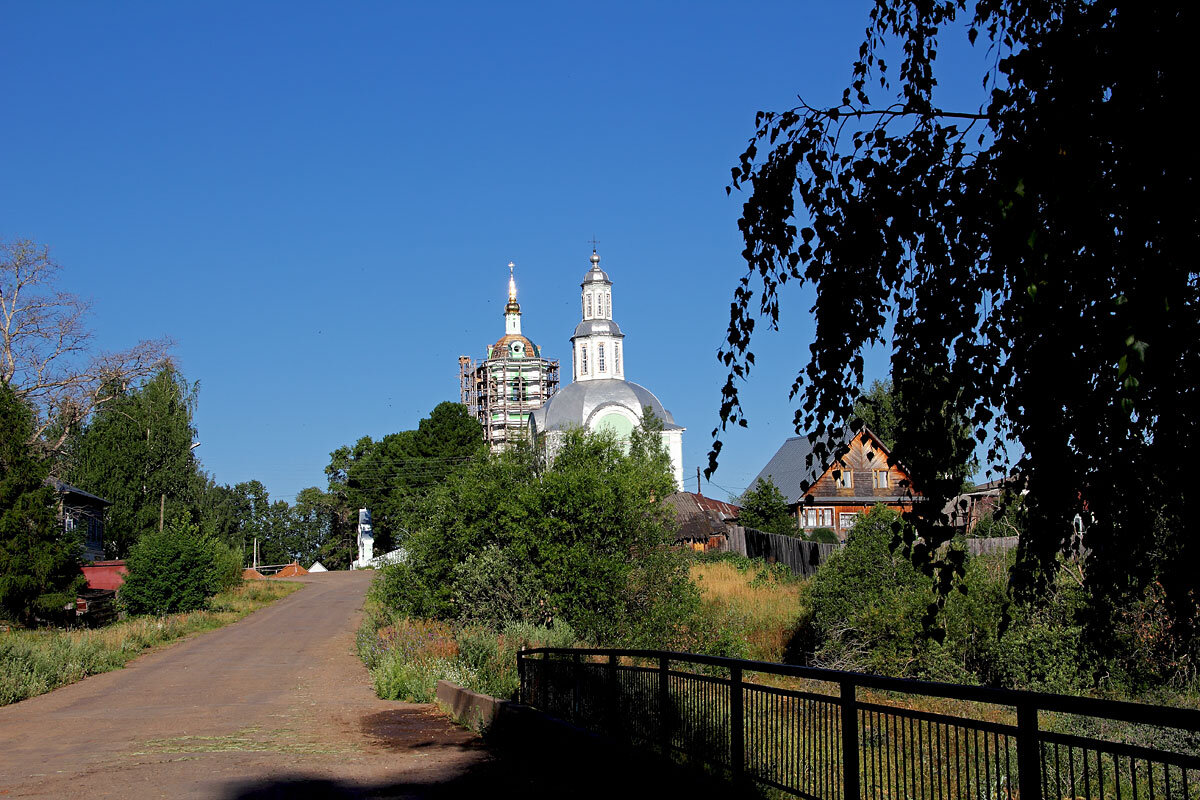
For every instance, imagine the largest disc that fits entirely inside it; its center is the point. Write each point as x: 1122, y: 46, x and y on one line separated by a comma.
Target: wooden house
x: 830, y: 490
x: 702, y: 521
x: 82, y: 511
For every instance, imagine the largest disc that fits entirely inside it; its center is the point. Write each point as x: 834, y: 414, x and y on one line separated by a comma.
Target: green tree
x: 764, y: 508
x: 392, y: 476
x: 39, y: 562
x: 875, y: 408
x: 177, y: 569
x: 585, y: 541
x: 880, y: 409
x: 1030, y: 262
x: 137, y: 452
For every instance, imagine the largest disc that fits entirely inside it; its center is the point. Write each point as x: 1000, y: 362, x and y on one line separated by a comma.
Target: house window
x: 583, y: 360
x: 846, y: 520
x: 844, y: 479
x: 818, y: 518
x: 879, y: 479
x: 600, y: 358
x: 617, y: 358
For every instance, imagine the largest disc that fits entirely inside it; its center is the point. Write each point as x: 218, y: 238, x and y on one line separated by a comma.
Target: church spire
x: 597, y: 344
x: 512, y: 311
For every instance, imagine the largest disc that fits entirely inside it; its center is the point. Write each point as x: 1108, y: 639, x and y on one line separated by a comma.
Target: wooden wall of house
x: 861, y: 461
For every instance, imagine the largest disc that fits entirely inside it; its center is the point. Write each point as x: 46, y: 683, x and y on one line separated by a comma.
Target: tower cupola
x: 598, y: 341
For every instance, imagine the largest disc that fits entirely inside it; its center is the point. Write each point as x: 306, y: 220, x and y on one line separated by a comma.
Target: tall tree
x: 881, y: 407
x: 764, y: 508
x: 137, y: 452
x: 39, y: 561
x: 392, y: 476
x: 46, y: 353
x: 1034, y: 258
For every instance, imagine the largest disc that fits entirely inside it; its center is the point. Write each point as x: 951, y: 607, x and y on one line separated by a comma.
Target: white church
x: 598, y: 395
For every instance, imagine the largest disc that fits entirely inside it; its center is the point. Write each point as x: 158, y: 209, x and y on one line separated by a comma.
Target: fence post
x: 1029, y: 768
x: 575, y: 688
x: 737, y: 725
x: 614, y: 720
x: 850, y: 784
x: 522, y: 692
x: 665, y: 721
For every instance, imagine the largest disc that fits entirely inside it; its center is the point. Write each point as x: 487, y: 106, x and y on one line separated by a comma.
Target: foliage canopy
x: 764, y: 508
x: 1031, y: 263
x: 39, y: 561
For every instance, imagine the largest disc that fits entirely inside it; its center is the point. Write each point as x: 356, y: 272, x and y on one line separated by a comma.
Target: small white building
x: 598, y: 395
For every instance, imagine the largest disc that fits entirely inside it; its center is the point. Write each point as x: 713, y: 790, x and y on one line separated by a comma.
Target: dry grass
x: 35, y: 662
x: 757, y: 604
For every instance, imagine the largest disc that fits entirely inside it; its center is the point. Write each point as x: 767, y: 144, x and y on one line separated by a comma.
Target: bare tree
x: 46, y: 353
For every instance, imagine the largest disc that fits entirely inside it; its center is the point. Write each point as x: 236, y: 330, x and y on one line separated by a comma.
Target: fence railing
x: 828, y: 735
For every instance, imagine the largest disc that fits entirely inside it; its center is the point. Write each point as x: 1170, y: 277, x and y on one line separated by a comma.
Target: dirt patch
x: 410, y: 728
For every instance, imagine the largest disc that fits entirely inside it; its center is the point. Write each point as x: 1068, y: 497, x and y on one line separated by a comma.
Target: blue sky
x: 317, y: 201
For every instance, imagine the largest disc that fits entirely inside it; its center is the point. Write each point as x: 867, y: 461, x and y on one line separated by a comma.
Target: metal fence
x: 831, y: 735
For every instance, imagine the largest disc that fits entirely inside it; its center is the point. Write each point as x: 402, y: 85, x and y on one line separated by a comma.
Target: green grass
x: 38, y: 661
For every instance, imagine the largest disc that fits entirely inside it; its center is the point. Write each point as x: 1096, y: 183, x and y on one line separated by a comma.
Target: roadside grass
x: 38, y: 661
x: 758, y: 603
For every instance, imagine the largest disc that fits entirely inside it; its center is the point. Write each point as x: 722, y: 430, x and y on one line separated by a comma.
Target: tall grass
x: 407, y: 657
x: 35, y: 662
x: 760, y: 604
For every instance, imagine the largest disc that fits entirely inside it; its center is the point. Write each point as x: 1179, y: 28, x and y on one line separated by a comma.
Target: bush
x: 491, y: 587
x: 823, y: 535
x: 398, y: 589
x: 176, y: 569
x: 868, y: 603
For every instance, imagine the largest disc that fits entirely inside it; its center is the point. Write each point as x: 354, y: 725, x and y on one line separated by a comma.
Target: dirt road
x: 276, y: 705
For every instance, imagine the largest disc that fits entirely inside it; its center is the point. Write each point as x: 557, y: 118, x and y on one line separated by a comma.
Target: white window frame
x: 846, y: 520
x: 880, y: 479
x: 844, y: 480
x: 617, y: 357
x: 587, y: 308
x: 600, y: 358
x: 583, y: 370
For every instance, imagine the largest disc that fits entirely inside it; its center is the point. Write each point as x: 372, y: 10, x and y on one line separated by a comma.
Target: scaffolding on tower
x: 502, y: 392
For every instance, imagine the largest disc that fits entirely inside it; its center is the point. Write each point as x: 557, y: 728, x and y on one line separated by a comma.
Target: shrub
x: 823, y: 535
x: 491, y: 587
x: 399, y: 590
x: 868, y: 603
x: 176, y: 569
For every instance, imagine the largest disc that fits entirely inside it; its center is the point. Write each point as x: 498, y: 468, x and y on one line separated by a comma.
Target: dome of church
x: 505, y: 342
x: 595, y: 273
x: 581, y: 403
x: 590, y: 326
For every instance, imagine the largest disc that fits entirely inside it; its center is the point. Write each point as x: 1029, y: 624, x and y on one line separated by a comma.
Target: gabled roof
x: 795, y: 467
x: 62, y: 487
x: 695, y: 523
x: 727, y: 510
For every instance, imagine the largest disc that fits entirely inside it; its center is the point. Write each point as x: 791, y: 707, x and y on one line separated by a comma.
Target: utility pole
x: 162, y: 506
x: 698, y: 481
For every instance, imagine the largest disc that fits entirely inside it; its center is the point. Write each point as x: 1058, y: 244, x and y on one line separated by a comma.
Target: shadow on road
x: 503, y: 775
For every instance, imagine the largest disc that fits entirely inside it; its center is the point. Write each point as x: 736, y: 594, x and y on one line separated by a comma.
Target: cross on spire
x: 595, y: 243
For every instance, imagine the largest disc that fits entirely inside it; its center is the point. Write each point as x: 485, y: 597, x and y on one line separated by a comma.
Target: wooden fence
x: 799, y: 556
x: 803, y: 558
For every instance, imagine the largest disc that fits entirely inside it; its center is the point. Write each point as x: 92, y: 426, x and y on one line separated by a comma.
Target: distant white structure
x: 397, y: 556
x: 366, y: 541
x: 317, y: 567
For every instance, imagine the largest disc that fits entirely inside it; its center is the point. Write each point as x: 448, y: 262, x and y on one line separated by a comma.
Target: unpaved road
x: 276, y: 705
